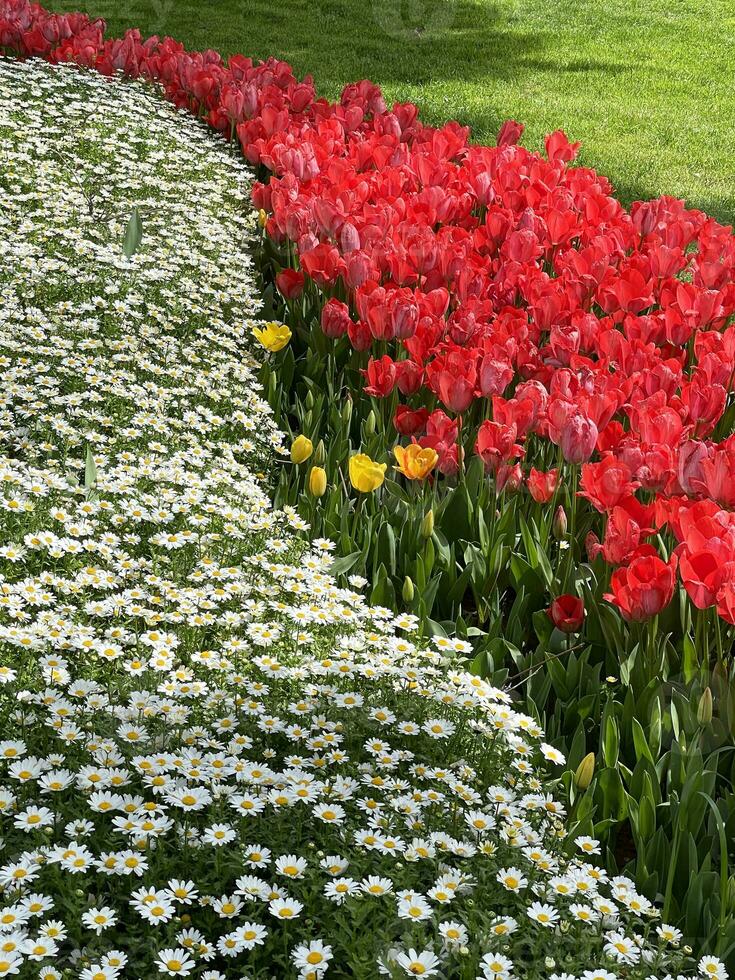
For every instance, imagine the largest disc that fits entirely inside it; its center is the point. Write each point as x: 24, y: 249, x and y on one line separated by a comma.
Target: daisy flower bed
x: 215, y: 762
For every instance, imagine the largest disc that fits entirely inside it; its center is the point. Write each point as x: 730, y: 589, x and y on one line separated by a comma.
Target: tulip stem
x: 572, y: 526
x: 652, y: 630
x: 460, y: 452
x: 718, y: 638
x: 356, y: 518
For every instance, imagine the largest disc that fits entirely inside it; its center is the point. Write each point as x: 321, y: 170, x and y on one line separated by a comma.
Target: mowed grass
x: 646, y: 85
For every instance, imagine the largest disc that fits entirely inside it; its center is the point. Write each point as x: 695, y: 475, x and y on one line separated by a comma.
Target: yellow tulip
x: 584, y: 772
x: 414, y: 461
x: 274, y: 336
x: 365, y: 474
x: 704, y: 708
x: 262, y: 218
x: 301, y: 449
x: 317, y: 481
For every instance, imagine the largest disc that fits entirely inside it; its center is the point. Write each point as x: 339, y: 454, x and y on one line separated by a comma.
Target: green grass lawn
x: 645, y: 84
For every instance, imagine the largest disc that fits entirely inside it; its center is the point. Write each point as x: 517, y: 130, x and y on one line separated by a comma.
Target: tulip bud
x: 320, y: 453
x: 585, y: 771
x: 704, y: 708
x: 566, y: 613
x: 317, y: 481
x: 262, y: 218
x: 408, y: 589
x: 347, y: 412
x: 309, y: 400
x: 301, y: 449
x: 559, y: 525
x: 370, y: 422
x: 427, y: 525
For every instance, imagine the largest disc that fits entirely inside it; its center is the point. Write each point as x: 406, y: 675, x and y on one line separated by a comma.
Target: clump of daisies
x: 215, y: 761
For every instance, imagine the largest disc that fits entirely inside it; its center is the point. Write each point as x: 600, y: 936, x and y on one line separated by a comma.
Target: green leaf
x: 640, y: 741
x: 133, y: 234
x: 90, y: 470
x: 724, y: 878
x: 387, y: 547
x: 610, y: 740
x: 340, y: 566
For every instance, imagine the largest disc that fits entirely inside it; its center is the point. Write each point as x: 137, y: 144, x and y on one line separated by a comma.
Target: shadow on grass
x: 410, y: 42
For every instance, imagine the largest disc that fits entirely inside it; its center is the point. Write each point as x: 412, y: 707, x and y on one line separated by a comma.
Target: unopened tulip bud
x: 559, y: 525
x: 427, y: 525
x: 370, y: 423
x: 309, y: 400
x: 262, y: 218
x: 320, y: 453
x: 585, y: 771
x: 317, y: 481
x: 704, y: 708
x: 301, y: 449
x: 347, y: 411
x: 408, y: 589
x: 566, y: 613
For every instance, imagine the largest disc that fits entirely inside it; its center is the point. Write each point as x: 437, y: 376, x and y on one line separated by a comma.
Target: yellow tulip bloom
x: 301, y: 449
x: 317, y: 481
x: 365, y: 474
x: 414, y: 461
x: 274, y: 336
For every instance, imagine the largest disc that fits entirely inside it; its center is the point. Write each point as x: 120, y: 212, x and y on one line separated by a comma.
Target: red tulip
x: 626, y: 529
x: 359, y: 334
x: 410, y: 376
x: 718, y: 475
x: 441, y: 435
x: 643, y: 587
x: 558, y: 147
x: 322, y: 264
x: 704, y: 573
x: 381, y: 377
x: 567, y: 613
x: 290, y: 283
x: 496, y: 444
x: 509, y: 133
x: 335, y: 319
x: 726, y: 602
x: 495, y: 375
x: 578, y: 438
x: 410, y: 421
x: 508, y: 479
x: 453, y: 377
x: 606, y: 483
x: 542, y: 485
